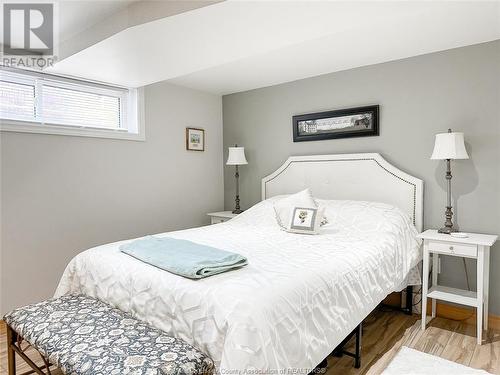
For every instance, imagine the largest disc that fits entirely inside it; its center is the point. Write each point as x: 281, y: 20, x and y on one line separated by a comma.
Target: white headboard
x: 366, y: 177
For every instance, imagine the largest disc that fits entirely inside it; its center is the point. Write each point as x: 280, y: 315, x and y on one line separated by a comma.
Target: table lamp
x: 449, y: 146
x: 237, y: 157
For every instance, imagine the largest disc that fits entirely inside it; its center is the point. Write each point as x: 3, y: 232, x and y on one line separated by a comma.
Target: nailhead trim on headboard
x: 362, y: 159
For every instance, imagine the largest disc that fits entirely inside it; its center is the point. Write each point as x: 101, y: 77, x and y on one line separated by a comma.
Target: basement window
x: 41, y: 103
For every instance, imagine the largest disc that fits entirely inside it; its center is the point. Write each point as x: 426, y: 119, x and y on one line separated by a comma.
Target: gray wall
x: 418, y: 98
x: 62, y: 194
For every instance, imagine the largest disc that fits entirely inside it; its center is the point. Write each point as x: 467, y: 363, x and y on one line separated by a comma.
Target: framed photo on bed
x: 195, y: 139
x: 303, y: 220
x: 342, y: 123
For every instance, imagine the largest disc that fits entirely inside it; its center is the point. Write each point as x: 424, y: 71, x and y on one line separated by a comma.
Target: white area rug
x: 412, y: 362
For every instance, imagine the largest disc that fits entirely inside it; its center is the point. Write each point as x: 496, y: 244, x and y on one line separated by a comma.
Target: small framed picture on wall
x: 195, y: 139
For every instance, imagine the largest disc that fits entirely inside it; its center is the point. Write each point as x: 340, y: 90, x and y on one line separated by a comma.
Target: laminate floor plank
x: 378, y: 335
x: 435, y: 338
x: 487, y: 356
x: 387, y: 357
x: 461, y: 346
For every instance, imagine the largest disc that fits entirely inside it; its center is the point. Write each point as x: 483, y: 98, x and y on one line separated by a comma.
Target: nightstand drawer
x: 217, y: 220
x: 221, y: 216
x: 460, y: 249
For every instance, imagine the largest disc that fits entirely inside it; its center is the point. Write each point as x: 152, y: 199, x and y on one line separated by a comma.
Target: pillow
x: 283, y: 208
x: 305, y: 220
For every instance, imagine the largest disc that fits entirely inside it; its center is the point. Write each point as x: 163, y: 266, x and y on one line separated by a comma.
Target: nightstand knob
x: 451, y: 248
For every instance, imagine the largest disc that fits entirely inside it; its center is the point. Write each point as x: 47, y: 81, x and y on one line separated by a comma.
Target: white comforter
x: 297, y: 299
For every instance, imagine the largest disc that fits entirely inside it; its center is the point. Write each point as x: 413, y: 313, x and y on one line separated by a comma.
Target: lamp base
x: 447, y: 230
x: 237, y: 211
x: 448, y: 223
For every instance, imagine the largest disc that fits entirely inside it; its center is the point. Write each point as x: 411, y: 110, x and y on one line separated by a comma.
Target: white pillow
x: 284, y: 207
x: 305, y: 220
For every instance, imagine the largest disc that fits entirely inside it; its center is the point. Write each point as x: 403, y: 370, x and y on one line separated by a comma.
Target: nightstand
x: 220, y: 217
x: 476, y: 246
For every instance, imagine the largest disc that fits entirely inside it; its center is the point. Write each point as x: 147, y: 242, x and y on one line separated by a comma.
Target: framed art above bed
x: 341, y: 123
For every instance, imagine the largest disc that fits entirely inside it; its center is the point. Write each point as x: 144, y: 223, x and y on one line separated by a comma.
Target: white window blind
x: 77, y: 108
x: 50, y: 104
x: 17, y: 101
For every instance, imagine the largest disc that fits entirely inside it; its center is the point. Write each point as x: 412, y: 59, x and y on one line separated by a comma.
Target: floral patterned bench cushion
x: 82, y: 335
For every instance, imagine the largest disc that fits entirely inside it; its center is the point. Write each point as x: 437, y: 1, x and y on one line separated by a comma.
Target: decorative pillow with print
x: 284, y: 207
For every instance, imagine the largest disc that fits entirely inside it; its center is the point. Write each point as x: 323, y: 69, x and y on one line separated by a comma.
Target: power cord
x: 428, y: 281
x: 466, y: 274
x: 419, y: 292
x: 468, y: 288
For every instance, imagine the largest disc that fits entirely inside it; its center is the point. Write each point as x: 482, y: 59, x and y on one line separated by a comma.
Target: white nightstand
x: 476, y: 246
x: 220, y: 217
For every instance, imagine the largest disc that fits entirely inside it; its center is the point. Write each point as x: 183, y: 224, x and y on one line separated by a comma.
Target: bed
x: 300, y: 295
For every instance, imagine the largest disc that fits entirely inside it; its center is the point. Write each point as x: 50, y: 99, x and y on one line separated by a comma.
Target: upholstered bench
x: 82, y: 335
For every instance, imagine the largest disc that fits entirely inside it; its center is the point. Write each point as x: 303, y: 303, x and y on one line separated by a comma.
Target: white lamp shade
x: 236, y: 156
x: 449, y: 146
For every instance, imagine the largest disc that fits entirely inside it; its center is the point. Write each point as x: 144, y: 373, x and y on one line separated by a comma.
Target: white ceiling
x: 76, y: 16
x: 234, y: 46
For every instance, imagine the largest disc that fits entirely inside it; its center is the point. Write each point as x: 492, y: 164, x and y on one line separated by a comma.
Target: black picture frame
x: 357, y: 130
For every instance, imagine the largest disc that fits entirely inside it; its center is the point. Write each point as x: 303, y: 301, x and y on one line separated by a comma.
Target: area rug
x: 412, y: 362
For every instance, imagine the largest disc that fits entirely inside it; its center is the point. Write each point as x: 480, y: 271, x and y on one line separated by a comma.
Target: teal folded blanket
x: 182, y: 257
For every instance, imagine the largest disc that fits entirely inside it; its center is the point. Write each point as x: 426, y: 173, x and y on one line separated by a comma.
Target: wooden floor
x: 384, y: 333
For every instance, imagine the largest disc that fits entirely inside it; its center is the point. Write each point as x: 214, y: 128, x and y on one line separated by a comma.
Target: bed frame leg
x: 11, y: 354
x: 339, y: 351
x: 409, y: 300
x: 357, y: 355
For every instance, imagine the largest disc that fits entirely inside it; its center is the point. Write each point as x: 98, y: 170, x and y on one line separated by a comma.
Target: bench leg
x: 11, y: 354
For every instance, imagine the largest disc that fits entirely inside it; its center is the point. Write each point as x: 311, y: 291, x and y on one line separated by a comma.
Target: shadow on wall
x: 465, y: 180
